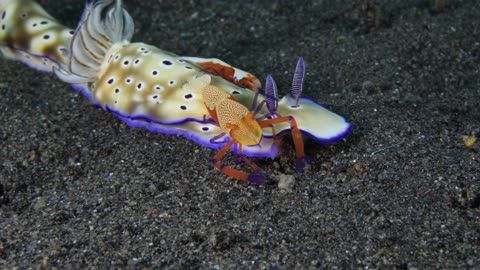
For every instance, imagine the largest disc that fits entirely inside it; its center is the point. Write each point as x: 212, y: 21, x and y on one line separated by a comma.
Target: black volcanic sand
x: 79, y: 188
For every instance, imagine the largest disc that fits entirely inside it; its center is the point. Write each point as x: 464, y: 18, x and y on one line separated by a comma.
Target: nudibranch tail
x: 103, y: 24
x: 30, y: 35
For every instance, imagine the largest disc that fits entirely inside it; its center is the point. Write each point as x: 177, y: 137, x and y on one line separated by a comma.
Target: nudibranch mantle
x: 144, y: 82
x: 149, y: 87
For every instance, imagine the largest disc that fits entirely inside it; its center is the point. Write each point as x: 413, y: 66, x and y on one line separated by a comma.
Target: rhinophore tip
x: 297, y: 83
x: 271, y: 94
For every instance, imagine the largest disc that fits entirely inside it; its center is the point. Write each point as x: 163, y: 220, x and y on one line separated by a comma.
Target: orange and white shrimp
x: 241, y: 127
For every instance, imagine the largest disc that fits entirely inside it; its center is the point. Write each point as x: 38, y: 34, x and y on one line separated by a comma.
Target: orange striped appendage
x: 296, y: 135
x: 228, y: 73
x: 254, y: 178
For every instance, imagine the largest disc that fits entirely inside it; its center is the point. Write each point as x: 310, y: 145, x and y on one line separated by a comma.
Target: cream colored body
x: 141, y: 80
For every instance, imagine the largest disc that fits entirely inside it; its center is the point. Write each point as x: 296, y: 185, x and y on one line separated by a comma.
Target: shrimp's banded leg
x: 248, y: 161
x: 253, y: 178
x: 234, y: 75
x: 296, y: 135
x: 228, y: 73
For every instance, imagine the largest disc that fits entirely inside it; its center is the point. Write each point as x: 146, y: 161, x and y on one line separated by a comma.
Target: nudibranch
x: 148, y: 87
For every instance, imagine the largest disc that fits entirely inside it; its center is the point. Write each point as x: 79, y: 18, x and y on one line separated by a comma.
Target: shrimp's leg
x: 254, y: 178
x: 248, y: 161
x: 296, y: 135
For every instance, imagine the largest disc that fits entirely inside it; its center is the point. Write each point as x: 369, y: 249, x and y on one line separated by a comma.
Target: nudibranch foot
x: 202, y: 133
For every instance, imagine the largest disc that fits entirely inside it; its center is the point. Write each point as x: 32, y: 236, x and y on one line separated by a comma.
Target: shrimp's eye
x: 230, y: 125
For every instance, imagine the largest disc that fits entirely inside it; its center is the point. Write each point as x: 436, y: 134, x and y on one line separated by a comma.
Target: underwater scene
x: 246, y: 135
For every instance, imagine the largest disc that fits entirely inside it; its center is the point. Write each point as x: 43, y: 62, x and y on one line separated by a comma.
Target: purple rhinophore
x: 297, y: 83
x: 271, y: 95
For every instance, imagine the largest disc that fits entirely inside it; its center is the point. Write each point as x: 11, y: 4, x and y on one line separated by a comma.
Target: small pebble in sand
x: 286, y: 182
x: 469, y: 141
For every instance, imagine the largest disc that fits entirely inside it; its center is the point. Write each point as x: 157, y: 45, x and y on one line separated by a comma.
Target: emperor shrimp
x: 243, y: 129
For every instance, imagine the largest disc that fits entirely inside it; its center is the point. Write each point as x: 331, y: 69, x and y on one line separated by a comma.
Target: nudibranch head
x: 313, y: 120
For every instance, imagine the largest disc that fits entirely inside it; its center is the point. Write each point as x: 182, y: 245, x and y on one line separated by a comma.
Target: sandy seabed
x: 81, y: 189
